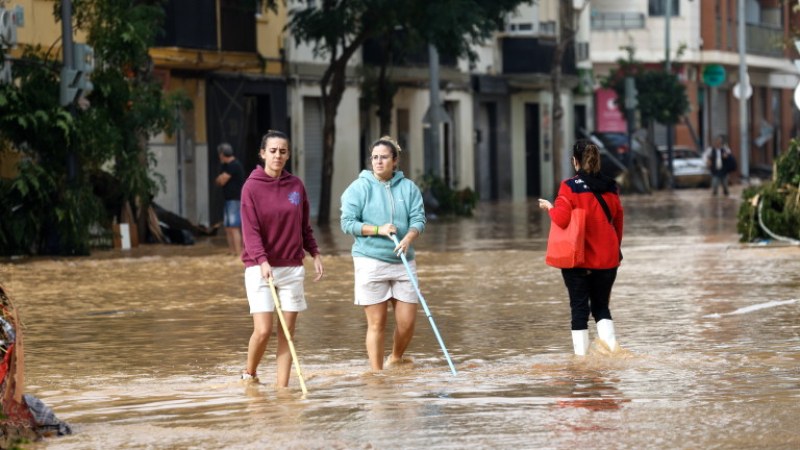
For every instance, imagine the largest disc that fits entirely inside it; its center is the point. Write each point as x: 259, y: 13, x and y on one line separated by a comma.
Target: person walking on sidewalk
x: 379, y: 203
x: 720, y: 161
x: 589, y: 286
x: 231, y: 179
x: 277, y: 233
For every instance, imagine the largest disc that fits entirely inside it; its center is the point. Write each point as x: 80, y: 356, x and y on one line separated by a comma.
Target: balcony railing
x: 193, y: 24
x: 617, y: 20
x: 527, y: 55
x: 581, y: 51
x: 764, y: 40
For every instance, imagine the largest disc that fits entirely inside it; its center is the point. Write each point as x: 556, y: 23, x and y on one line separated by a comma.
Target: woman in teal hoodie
x: 379, y: 203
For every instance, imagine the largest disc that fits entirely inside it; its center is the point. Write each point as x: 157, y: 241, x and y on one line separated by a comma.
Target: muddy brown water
x: 142, y: 349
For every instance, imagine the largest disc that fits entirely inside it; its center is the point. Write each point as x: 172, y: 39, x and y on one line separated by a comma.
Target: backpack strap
x: 608, y: 214
x: 604, y: 205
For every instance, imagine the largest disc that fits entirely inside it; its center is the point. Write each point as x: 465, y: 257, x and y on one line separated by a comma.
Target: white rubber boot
x: 580, y: 341
x: 605, y: 331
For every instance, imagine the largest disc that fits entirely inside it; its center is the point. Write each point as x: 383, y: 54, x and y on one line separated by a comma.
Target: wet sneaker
x: 247, y: 378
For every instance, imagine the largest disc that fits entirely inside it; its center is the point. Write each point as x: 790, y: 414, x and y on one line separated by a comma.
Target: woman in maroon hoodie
x: 276, y: 234
x: 590, y: 285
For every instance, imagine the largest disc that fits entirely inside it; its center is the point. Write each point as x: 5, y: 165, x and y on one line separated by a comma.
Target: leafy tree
x: 52, y: 205
x: 338, y: 28
x: 661, y: 97
x: 568, y: 29
x: 453, y: 27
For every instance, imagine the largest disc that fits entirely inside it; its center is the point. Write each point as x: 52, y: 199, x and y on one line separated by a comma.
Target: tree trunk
x: 385, y: 94
x: 385, y: 89
x: 332, y: 86
x: 558, y: 113
x: 567, y: 32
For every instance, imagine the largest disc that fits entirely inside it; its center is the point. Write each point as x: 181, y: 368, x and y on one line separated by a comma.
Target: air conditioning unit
x: 520, y: 28
x: 8, y: 28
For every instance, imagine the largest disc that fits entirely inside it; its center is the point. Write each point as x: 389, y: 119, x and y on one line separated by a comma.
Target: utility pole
x: 432, y: 121
x: 744, y: 83
x: 68, y: 74
x: 668, y: 68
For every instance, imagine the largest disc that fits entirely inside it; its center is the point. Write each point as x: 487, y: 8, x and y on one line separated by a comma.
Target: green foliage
x: 747, y: 220
x: 780, y: 201
x: 336, y: 29
x: 787, y: 166
x: 661, y: 96
x: 455, y: 26
x: 334, y: 23
x: 450, y: 201
x: 52, y: 200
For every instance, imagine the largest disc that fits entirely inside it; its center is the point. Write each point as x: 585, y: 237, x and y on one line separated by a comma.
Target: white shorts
x: 378, y: 281
x: 288, y: 283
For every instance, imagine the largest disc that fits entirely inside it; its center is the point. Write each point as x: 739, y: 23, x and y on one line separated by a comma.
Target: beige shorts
x: 378, y: 281
x: 288, y: 283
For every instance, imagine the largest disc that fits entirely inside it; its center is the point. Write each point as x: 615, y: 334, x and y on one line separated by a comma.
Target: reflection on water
x: 143, y: 351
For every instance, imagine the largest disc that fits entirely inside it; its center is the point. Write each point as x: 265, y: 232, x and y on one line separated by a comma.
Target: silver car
x: 690, y: 167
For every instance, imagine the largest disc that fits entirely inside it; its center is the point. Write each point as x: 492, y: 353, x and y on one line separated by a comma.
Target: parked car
x: 689, y: 166
x: 615, y: 142
x: 613, y: 150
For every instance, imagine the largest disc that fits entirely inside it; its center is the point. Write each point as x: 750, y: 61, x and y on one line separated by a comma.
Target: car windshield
x: 612, y: 139
x: 681, y: 153
x: 685, y: 153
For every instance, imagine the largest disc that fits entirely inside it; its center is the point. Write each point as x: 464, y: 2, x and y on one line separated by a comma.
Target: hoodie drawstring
x: 388, y: 185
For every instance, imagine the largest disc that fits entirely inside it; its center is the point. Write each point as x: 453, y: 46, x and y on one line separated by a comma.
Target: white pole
x: 744, y: 144
x: 670, y: 156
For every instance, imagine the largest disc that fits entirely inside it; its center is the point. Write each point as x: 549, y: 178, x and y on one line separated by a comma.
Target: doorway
x: 533, y: 174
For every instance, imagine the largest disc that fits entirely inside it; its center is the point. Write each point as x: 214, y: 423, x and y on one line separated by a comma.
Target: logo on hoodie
x: 294, y: 198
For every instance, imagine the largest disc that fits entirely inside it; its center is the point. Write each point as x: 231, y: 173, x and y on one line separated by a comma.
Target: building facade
x: 706, y: 34
x: 245, y: 74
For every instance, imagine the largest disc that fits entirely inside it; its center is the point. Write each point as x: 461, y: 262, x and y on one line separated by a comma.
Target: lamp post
x: 668, y: 68
x: 744, y: 82
x: 67, y: 75
x: 432, y: 120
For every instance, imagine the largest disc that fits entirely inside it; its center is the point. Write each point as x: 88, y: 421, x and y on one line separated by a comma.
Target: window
x: 659, y: 7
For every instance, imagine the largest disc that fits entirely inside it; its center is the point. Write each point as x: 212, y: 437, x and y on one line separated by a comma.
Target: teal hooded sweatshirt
x: 370, y: 201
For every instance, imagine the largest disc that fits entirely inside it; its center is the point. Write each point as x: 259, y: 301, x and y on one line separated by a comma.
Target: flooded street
x: 143, y: 349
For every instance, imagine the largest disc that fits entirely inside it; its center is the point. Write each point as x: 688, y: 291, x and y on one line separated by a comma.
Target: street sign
x: 797, y: 96
x: 713, y: 75
x: 631, y: 100
x: 748, y: 91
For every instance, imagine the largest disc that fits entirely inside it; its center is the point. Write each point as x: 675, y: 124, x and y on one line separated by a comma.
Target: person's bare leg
x: 376, y: 329
x: 405, y: 316
x: 237, y: 241
x: 262, y: 328
x: 284, y: 355
x: 229, y: 238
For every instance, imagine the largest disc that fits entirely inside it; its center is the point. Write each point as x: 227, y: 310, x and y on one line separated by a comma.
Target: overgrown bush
x: 779, y: 200
x: 442, y: 199
x: 51, y: 203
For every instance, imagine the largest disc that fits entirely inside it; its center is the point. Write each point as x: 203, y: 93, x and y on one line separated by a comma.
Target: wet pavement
x: 142, y: 349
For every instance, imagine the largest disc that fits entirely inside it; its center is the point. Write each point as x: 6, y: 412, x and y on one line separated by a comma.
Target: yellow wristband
x: 376, y: 230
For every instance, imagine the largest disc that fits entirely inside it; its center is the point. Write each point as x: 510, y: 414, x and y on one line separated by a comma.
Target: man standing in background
x: 231, y: 178
x: 720, y: 162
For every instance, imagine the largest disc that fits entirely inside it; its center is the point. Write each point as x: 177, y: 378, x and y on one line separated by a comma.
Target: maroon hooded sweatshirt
x: 275, y: 220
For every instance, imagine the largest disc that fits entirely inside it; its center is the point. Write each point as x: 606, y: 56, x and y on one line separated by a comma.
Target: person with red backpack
x: 589, y: 286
